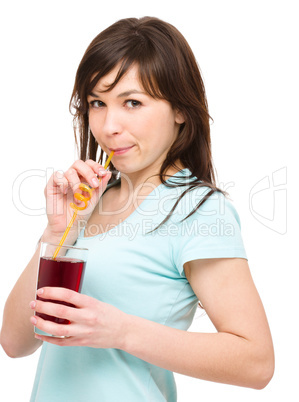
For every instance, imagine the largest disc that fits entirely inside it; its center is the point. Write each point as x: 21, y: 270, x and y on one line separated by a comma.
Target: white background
x: 248, y: 54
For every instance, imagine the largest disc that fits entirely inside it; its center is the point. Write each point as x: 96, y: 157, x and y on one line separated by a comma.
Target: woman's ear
x: 179, y: 117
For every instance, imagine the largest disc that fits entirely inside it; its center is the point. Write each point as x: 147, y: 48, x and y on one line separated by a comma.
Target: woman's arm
x: 17, y: 336
x: 241, y: 353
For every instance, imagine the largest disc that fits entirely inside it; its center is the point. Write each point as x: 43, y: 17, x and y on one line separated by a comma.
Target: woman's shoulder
x: 215, y: 208
x: 200, y: 202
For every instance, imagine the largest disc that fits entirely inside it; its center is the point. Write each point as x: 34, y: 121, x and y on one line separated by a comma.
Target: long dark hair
x: 167, y: 70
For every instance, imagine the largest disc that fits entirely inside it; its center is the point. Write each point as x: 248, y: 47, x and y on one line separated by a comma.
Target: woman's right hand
x: 59, y: 194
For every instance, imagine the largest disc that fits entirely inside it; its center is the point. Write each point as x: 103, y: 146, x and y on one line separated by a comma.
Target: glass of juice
x: 66, y: 270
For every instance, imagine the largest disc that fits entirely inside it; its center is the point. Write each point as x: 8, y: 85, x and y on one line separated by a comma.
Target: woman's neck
x: 140, y: 185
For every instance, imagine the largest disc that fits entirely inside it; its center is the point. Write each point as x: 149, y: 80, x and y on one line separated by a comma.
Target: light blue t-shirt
x: 141, y: 274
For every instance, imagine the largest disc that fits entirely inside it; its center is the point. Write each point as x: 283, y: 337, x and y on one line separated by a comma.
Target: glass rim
x: 65, y: 246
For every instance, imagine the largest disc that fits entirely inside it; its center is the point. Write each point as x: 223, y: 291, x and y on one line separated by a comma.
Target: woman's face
x: 139, y: 128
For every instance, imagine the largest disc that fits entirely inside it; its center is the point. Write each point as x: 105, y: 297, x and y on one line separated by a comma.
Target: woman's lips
x: 120, y: 151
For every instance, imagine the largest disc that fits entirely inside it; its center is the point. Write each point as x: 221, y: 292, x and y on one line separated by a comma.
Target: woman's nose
x: 112, y: 122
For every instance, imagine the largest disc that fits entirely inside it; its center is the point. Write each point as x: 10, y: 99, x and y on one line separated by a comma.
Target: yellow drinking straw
x: 76, y: 208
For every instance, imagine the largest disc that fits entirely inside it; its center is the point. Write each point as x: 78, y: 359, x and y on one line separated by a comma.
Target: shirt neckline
x: 178, y: 175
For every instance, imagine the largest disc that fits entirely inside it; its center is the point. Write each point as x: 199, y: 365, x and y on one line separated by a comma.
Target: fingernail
x: 108, y: 177
x: 38, y: 337
x: 95, y: 182
x: 40, y: 291
x: 32, y: 304
x: 102, y: 172
x: 33, y: 320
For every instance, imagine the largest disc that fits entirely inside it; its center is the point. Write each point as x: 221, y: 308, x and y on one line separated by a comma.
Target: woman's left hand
x: 92, y: 323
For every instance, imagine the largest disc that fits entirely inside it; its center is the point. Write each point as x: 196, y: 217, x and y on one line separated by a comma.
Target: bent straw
x: 76, y: 208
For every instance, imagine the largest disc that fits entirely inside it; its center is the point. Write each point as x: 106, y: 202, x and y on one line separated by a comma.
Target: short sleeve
x: 213, y: 231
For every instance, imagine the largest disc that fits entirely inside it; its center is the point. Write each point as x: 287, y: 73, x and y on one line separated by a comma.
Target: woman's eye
x: 132, y: 103
x: 96, y: 104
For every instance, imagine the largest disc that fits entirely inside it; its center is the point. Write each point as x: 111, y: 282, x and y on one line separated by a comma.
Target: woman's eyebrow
x: 130, y: 92
x: 93, y: 95
x: 122, y: 94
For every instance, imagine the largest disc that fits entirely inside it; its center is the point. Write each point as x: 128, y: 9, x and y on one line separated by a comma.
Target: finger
x: 54, y: 309
x: 73, y: 179
x: 89, y: 171
x: 63, y: 294
x: 61, y: 181
x: 93, y: 198
x: 57, y: 182
x: 50, y: 327
x: 98, y: 169
x: 54, y: 341
x: 68, y: 341
x: 103, y: 181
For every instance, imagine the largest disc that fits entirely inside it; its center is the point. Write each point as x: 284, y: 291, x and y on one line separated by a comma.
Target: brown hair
x: 167, y: 70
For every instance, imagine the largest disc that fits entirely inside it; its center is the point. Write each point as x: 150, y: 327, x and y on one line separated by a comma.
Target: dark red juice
x: 63, y: 273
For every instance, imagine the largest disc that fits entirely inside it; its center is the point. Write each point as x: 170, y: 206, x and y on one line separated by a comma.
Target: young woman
x: 161, y: 238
